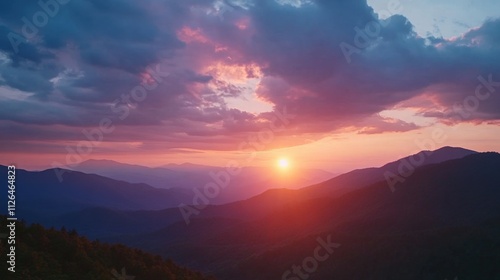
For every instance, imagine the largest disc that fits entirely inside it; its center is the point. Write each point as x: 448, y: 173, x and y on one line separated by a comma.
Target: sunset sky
x: 335, y: 85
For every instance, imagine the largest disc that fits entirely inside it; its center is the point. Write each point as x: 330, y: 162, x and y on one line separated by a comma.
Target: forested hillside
x: 50, y: 254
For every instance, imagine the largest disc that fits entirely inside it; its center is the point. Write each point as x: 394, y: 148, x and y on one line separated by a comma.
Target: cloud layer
x: 162, y: 71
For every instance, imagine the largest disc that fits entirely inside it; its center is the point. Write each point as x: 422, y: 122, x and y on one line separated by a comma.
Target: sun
x: 283, y: 163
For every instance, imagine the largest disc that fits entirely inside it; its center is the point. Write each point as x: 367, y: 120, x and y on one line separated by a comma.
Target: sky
x: 335, y: 85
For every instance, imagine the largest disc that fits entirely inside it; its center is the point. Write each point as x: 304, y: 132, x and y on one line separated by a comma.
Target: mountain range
x: 450, y: 208
x: 249, y: 181
x: 440, y: 220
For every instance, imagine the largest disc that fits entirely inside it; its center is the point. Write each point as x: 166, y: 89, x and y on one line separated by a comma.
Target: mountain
x: 190, y: 167
x: 95, y: 219
x: 40, y: 196
x: 275, y: 198
x: 52, y: 254
x: 439, y: 219
x: 249, y: 182
x: 156, y: 177
x: 362, y: 177
x: 100, y: 223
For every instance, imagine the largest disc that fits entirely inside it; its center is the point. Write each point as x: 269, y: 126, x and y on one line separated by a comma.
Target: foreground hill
x: 43, y: 254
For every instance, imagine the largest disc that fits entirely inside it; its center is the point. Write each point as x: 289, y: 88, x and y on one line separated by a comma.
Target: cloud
x: 377, y: 125
x: 91, y: 55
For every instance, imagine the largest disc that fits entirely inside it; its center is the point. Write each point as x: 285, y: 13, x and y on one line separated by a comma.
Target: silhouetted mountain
x: 104, y: 222
x: 189, y: 167
x: 437, y: 221
x: 157, y: 177
x: 441, y: 221
x: 41, y: 196
x: 51, y: 254
x: 250, y: 181
x: 362, y: 177
x: 276, y: 198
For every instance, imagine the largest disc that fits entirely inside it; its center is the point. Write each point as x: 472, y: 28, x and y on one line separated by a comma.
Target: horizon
x: 334, y: 173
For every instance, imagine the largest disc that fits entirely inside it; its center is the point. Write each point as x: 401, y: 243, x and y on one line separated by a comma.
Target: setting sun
x: 283, y: 163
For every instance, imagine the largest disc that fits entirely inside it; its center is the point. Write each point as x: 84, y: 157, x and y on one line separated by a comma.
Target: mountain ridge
x: 436, y: 198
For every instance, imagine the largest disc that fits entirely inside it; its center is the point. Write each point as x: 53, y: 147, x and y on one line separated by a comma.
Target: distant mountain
x: 156, y: 177
x: 52, y: 254
x: 40, y: 195
x: 185, y: 177
x: 98, y: 221
x: 335, y: 187
x: 253, y: 181
x: 190, y: 167
x: 439, y: 219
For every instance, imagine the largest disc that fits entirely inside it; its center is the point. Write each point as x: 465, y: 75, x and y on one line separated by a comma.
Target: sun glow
x: 283, y: 163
